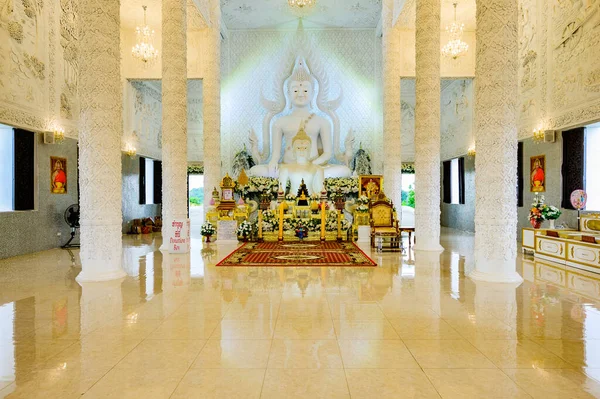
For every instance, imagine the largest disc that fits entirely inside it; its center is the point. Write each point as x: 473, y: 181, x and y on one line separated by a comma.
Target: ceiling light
x: 301, y: 3
x: 144, y: 49
x: 455, y: 46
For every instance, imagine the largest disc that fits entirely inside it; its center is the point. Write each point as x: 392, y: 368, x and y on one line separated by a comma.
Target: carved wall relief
x: 575, y: 47
x: 69, y: 35
x: 146, y: 120
x: 23, y: 56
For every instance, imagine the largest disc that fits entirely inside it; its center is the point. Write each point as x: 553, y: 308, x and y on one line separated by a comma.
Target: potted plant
x: 207, y: 230
x: 536, y: 217
x: 244, y: 230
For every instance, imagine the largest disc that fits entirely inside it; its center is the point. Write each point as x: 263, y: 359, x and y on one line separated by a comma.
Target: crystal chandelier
x: 455, y: 46
x: 301, y: 4
x: 144, y: 50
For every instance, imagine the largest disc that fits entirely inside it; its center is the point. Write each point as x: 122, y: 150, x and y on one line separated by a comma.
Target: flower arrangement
x: 536, y: 216
x: 244, y: 229
x: 207, y: 229
x: 363, y: 200
x: 362, y: 204
x: 256, y: 186
x: 362, y: 208
x: 270, y: 221
x: 344, y: 185
x: 550, y: 212
x: 290, y: 197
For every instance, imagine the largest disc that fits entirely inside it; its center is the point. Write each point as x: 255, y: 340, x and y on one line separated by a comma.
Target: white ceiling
x: 265, y: 14
x: 132, y: 14
x: 253, y: 14
x: 465, y: 13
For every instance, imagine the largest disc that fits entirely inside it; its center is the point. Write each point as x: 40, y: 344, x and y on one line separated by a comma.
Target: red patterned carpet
x: 305, y: 254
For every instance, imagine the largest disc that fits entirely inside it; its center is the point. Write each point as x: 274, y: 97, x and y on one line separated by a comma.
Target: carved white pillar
x: 496, y: 142
x: 100, y: 131
x: 392, y: 165
x: 427, y: 126
x: 212, y: 103
x: 174, y: 114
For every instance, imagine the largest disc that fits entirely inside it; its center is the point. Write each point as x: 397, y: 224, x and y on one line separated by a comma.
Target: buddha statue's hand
x: 273, y: 168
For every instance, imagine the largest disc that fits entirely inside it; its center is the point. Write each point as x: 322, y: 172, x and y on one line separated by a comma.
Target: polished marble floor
x: 179, y: 327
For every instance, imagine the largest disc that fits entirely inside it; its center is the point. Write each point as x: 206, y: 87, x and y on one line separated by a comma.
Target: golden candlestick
x: 280, y: 237
x: 260, y: 229
x: 323, y: 218
x: 339, y: 221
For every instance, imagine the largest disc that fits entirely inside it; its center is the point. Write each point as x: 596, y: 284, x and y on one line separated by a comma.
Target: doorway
x: 196, y: 201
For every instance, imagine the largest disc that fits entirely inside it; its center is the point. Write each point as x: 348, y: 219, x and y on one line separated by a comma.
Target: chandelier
x: 301, y: 4
x: 455, y: 47
x: 143, y: 49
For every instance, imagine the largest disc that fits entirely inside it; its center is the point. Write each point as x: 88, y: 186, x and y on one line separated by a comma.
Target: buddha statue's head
x: 301, y: 144
x: 300, y: 86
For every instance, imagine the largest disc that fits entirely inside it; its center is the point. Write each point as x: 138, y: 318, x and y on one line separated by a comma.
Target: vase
x: 536, y: 224
x: 552, y: 224
x: 208, y: 238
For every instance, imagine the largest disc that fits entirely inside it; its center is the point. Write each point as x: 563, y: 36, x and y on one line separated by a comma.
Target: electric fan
x: 72, y: 219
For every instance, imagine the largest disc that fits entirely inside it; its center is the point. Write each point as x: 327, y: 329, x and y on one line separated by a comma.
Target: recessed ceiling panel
x: 244, y: 14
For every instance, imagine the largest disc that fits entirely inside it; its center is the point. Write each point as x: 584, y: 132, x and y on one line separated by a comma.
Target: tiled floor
x: 178, y: 327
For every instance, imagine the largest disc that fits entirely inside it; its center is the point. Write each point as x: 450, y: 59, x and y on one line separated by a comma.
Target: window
x: 592, y: 166
x: 150, y: 181
x: 7, y: 169
x: 17, y: 169
x: 454, y: 181
x: 580, y: 162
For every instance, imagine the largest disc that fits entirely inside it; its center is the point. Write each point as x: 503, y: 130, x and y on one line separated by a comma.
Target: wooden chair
x: 383, y: 221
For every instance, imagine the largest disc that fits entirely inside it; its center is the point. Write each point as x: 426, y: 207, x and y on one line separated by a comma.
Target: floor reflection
x: 176, y: 319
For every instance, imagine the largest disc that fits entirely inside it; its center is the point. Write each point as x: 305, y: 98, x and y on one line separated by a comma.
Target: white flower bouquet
x: 362, y: 208
x: 207, y: 229
x: 244, y: 229
x: 550, y: 212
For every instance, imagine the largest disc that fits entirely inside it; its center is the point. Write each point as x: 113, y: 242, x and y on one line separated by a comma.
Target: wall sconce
x: 59, y: 135
x: 539, y: 135
x: 471, y: 151
x: 130, y: 150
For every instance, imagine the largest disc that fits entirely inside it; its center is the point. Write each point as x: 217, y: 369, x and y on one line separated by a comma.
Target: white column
x: 100, y: 131
x: 496, y: 142
x: 427, y: 127
x: 212, y: 103
x: 392, y: 165
x: 174, y: 114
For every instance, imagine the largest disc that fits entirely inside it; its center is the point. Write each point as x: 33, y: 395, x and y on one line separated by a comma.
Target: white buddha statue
x: 300, y: 95
x: 301, y: 169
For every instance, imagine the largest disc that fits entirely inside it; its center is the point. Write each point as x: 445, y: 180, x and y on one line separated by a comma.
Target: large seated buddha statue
x: 317, y: 125
x: 301, y: 172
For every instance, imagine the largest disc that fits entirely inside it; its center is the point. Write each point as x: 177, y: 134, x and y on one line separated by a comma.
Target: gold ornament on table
x: 144, y: 49
x: 455, y: 47
x: 227, y: 202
